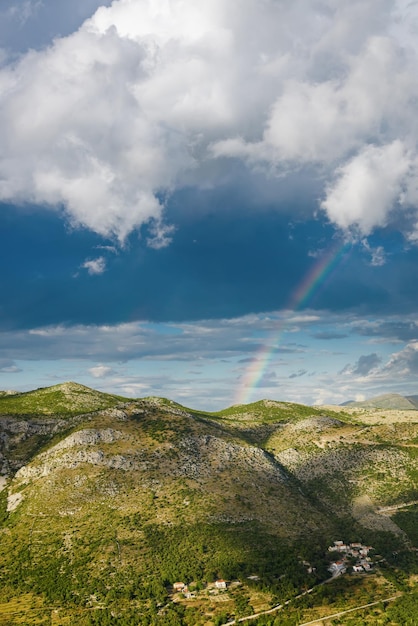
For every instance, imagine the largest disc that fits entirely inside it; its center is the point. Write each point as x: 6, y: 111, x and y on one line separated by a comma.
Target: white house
x: 221, y: 584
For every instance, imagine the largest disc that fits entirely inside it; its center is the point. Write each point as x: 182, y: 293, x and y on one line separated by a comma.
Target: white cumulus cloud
x: 139, y: 101
x: 368, y: 187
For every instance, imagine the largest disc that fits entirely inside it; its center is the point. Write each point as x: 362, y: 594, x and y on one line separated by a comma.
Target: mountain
x: 413, y: 400
x: 387, y: 401
x: 108, y: 501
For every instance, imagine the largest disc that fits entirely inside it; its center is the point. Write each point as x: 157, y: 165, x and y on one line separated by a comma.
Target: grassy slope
x: 65, y: 399
x: 90, y: 534
x: 270, y: 411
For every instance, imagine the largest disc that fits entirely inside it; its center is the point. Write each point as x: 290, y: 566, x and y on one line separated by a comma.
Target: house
x: 179, y: 587
x: 221, y: 584
x: 357, y: 568
x: 339, y: 546
x: 337, y: 568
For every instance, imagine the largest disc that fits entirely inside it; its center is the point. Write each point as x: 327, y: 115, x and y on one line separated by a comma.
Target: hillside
x: 105, y: 509
x: 387, y: 401
x: 63, y: 399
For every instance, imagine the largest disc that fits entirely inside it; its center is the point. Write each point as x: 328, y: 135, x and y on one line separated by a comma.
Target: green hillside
x: 64, y: 399
x: 106, y: 508
x: 268, y: 411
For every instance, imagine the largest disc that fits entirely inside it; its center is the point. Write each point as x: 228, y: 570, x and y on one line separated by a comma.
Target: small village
x: 352, y: 555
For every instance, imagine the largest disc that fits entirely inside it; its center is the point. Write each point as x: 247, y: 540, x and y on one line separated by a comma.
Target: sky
x: 214, y: 202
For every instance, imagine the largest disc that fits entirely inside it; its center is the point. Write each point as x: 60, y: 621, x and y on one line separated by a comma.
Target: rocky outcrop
x: 72, y: 460
x: 62, y: 455
x: 203, y: 455
x: 314, y: 423
x: 306, y: 465
x: 13, y: 501
x: 86, y: 437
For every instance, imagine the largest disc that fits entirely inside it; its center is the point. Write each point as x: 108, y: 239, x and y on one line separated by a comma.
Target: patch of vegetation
x: 341, y: 594
x: 211, y: 551
x: 3, y: 507
x: 66, y: 399
x: 126, y: 572
x: 266, y: 411
x: 408, y: 521
x: 404, y: 611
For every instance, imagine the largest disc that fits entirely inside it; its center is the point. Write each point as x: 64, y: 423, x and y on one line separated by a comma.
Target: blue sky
x: 215, y: 202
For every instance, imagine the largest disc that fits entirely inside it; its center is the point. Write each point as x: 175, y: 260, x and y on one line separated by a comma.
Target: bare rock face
x: 117, y: 414
x: 65, y: 454
x: 13, y: 501
x: 203, y: 455
x: 316, y: 423
x: 87, y: 437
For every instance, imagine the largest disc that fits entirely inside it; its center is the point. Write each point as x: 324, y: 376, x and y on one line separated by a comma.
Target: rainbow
x: 315, y: 279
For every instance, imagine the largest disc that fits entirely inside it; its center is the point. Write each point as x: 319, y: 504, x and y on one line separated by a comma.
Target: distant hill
x: 387, y: 401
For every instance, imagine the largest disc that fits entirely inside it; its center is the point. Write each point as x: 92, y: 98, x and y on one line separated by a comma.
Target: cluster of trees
x: 408, y: 521
x: 210, y: 551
